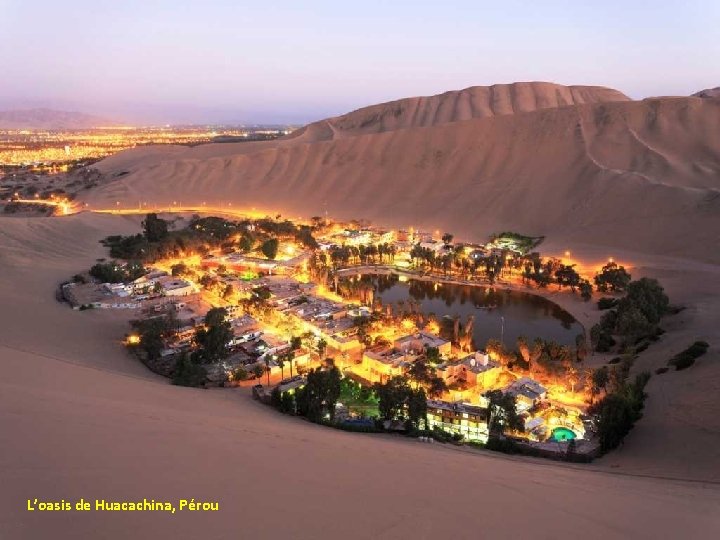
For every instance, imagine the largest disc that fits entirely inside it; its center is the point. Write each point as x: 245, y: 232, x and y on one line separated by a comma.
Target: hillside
x: 50, y: 119
x: 637, y: 175
x: 708, y: 93
x: 454, y: 106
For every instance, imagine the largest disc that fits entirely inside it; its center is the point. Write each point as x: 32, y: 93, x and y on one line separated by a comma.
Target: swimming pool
x: 562, y: 434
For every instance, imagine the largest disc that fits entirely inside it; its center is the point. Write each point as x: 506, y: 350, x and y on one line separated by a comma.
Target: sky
x: 284, y: 61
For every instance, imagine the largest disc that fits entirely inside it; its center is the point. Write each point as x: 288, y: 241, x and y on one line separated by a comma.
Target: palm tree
x: 267, y: 369
x: 321, y: 347
x: 281, y: 362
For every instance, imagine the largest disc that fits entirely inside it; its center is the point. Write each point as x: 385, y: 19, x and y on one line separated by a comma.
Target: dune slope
x: 457, y: 105
x: 638, y: 175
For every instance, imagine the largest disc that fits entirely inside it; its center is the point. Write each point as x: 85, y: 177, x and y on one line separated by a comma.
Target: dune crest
x: 454, y: 106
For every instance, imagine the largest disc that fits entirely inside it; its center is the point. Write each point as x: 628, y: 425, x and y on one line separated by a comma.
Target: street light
x: 502, y: 330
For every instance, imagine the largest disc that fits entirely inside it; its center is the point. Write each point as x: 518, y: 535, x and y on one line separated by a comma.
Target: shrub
x: 618, y: 412
x: 607, y: 303
x: 686, y: 358
x: 605, y: 342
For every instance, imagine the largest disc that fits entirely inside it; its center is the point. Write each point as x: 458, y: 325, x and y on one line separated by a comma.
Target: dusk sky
x: 157, y: 61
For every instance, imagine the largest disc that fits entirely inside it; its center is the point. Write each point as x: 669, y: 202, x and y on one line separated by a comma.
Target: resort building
x: 527, y: 392
x: 475, y: 370
x: 176, y: 287
x: 421, y: 341
x: 382, y: 363
x: 467, y: 420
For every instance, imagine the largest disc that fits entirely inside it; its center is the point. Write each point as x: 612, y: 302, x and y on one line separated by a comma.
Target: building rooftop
x: 421, y: 339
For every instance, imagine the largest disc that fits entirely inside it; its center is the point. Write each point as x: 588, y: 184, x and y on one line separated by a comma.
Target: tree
x: 392, y: 396
x: 228, y: 291
x: 649, y: 297
x: 447, y: 238
x: 215, y: 336
x: 416, y: 408
x: 567, y: 276
x: 179, y: 269
x: 152, y: 334
x: 585, y: 290
x: 502, y: 413
x: 321, y: 347
x: 318, y: 398
x: 436, y: 387
x: 617, y: 413
x: 524, y: 349
x: 245, y: 243
x: 280, y: 361
x: 600, y: 379
x: 612, y: 278
x: 188, y: 373
x: 266, y: 359
x: 154, y: 228
x: 269, y: 248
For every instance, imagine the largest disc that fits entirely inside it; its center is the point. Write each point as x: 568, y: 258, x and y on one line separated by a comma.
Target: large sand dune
x: 637, y: 175
x: 80, y: 418
x: 454, y: 106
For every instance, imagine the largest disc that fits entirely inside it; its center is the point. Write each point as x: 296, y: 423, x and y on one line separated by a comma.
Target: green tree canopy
x: 154, y: 228
x: 214, y: 337
x: 269, y: 248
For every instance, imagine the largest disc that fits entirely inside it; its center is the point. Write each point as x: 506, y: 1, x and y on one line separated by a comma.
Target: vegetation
x: 269, y: 248
x: 114, y: 272
x: 154, y: 228
x: 635, y: 317
x: 188, y: 373
x: 522, y: 242
x: 397, y: 400
x: 152, y: 333
x: 213, y: 338
x: 617, y: 413
x: 502, y: 413
x: 607, y: 303
x: 612, y: 278
x: 317, y: 399
x: 686, y: 358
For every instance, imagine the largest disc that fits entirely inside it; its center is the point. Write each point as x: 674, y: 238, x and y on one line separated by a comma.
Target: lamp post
x: 502, y: 330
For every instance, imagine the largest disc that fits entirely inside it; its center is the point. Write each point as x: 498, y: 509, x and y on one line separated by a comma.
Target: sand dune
x: 708, y: 93
x: 636, y: 180
x: 636, y: 175
x: 82, y: 419
x: 454, y: 106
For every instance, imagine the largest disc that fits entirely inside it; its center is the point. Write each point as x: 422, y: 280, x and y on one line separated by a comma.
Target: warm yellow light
x: 133, y: 339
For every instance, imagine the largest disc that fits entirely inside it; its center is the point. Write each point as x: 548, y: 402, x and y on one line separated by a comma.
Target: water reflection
x: 524, y: 314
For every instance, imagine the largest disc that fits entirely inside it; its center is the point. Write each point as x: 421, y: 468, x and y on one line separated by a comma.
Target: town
x: 284, y: 307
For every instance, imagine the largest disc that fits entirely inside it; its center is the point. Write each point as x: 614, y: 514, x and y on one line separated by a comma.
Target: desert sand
x: 81, y: 418
x: 637, y: 175
x: 637, y: 181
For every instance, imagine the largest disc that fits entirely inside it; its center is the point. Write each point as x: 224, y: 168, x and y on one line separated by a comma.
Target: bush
x: 188, y: 373
x: 686, y: 358
x: 607, y: 303
x: 618, y: 412
x: 501, y: 444
x: 605, y: 342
